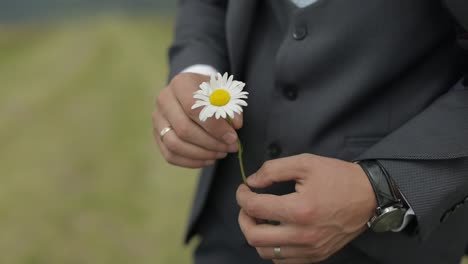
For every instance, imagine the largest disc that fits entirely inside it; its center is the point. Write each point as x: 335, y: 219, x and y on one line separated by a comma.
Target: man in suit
x: 356, y: 134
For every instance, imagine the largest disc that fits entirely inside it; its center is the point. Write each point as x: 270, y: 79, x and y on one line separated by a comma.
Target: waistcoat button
x: 274, y: 150
x: 300, y: 32
x: 290, y: 93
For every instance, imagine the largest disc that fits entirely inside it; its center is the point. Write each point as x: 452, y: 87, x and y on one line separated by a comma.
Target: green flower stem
x: 241, y: 161
x: 239, y: 155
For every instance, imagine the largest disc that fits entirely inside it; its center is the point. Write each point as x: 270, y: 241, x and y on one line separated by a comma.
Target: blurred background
x: 81, y: 180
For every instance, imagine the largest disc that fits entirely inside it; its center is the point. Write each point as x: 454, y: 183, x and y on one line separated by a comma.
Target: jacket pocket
x: 353, y: 146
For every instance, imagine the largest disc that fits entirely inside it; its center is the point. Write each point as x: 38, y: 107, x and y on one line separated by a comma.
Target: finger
x: 292, y: 255
x: 293, y: 261
x: 184, y: 162
x: 279, y: 170
x: 218, y: 128
x: 339, y: 243
x: 265, y: 235
x: 188, y: 151
x: 177, y: 160
x: 265, y: 206
x: 185, y: 128
x: 320, y: 254
x: 286, y: 252
x: 317, y: 255
x: 175, y: 145
x: 238, y: 121
x: 304, y: 252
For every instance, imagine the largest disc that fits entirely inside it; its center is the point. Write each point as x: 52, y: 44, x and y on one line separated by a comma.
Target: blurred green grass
x: 81, y: 180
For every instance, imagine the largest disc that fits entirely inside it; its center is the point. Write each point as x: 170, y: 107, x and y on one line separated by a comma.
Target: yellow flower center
x: 220, y: 97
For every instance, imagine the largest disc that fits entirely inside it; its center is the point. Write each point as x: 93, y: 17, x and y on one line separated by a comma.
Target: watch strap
x: 385, y: 191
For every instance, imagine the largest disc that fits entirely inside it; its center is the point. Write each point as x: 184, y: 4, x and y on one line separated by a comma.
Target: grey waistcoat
x: 221, y: 211
x: 335, y: 87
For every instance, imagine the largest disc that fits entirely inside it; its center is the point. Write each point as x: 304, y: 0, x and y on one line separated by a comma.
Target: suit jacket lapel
x: 239, y: 19
x: 459, y: 9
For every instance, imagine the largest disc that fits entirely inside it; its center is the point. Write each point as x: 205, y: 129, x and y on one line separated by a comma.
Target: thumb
x: 274, y: 171
x: 238, y: 121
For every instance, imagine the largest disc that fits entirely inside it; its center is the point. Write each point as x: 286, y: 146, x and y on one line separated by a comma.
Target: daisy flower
x: 221, y: 97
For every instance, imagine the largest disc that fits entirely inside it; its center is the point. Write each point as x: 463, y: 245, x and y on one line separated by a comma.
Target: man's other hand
x: 191, y: 143
x: 331, y: 206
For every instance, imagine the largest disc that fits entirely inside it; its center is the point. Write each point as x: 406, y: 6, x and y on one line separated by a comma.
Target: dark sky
x: 26, y: 10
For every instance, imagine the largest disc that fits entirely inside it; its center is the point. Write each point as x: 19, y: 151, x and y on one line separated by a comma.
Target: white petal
x: 202, y: 92
x: 211, y: 110
x: 213, y: 82
x: 203, y: 116
x: 236, y: 90
x: 237, y: 86
x: 205, y: 87
x: 233, y: 85
x: 229, y: 111
x: 239, y: 102
x: 221, y: 82
x: 236, y: 108
x: 229, y: 81
x: 240, y: 97
x: 225, y: 78
x: 219, y: 79
x: 206, y: 113
x: 223, y: 113
x: 199, y: 103
x: 201, y: 97
x: 218, y: 114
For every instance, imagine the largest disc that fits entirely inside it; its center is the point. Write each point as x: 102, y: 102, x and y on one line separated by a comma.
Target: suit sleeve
x: 459, y: 9
x: 428, y: 159
x: 428, y: 156
x: 199, y: 36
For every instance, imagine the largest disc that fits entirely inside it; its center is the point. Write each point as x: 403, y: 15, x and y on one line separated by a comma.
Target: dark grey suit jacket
x: 401, y: 55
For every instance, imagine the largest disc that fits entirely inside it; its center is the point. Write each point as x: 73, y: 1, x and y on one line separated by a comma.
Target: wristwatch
x: 391, y: 208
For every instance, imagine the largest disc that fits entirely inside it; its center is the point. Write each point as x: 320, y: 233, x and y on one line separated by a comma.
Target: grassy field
x: 81, y: 181
x: 80, y: 177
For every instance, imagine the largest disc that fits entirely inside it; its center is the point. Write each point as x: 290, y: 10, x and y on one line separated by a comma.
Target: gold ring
x: 164, y: 131
x: 277, y: 251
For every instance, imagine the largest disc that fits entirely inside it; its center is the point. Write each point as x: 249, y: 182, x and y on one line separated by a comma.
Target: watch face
x: 391, y: 218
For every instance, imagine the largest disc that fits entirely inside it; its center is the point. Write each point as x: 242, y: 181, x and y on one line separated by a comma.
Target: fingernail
x: 230, y: 138
x: 221, y: 155
x: 252, y: 179
x: 233, y: 148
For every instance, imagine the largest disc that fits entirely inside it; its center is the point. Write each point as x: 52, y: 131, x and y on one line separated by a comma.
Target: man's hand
x: 191, y: 143
x: 331, y: 206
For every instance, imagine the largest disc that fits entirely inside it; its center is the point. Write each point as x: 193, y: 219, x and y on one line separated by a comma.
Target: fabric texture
x: 351, y: 82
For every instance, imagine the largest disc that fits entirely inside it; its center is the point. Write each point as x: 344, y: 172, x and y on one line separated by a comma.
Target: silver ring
x: 164, y: 131
x: 277, y: 252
